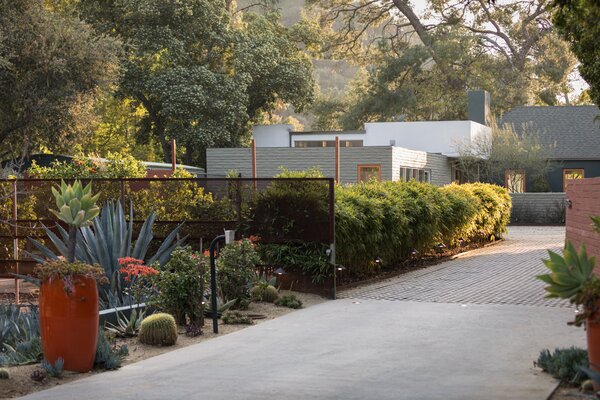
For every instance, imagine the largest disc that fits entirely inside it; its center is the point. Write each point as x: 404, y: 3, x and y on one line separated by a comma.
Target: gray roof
x: 573, y: 132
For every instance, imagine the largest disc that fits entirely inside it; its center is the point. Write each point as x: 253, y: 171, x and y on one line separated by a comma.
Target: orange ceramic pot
x: 69, y: 322
x: 592, y: 328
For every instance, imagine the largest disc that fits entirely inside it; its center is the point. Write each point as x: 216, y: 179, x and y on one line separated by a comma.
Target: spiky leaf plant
x: 569, y: 273
x: 76, y: 207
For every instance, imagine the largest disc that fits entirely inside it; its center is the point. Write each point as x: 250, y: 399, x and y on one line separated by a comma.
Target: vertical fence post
x: 337, y: 159
x: 173, y: 155
x: 15, y: 240
x: 332, y: 234
x: 253, y: 146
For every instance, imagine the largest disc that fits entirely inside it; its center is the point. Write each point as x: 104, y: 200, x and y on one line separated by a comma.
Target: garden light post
x: 228, y: 237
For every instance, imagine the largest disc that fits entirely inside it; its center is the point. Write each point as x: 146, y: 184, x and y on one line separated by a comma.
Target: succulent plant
x: 158, y: 330
x: 289, y: 301
x: 569, y: 273
x: 76, y: 204
x: 236, y: 318
x: 55, y: 370
x: 38, y: 375
x: 110, y: 238
x: 127, y: 326
x: 109, y: 355
x: 4, y: 374
x: 264, y: 292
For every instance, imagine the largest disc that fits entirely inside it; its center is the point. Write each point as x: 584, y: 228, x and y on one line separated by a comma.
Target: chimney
x: 478, y: 106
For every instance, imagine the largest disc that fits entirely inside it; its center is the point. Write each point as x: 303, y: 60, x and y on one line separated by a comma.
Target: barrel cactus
x: 4, y: 373
x: 158, y: 330
x: 264, y: 292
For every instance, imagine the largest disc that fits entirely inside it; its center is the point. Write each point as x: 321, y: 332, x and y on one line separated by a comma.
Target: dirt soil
x: 570, y: 393
x: 21, y: 384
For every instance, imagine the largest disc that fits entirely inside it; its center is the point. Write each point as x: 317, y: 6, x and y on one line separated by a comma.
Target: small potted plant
x: 69, y: 292
x: 572, y: 277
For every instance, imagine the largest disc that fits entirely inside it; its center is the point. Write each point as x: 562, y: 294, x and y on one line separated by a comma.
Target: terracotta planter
x: 69, y: 323
x: 592, y: 330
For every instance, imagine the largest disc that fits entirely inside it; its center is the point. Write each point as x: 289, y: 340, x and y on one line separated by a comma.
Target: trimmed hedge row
x: 389, y: 221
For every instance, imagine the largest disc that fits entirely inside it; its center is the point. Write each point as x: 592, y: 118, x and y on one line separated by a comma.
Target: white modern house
x: 422, y: 150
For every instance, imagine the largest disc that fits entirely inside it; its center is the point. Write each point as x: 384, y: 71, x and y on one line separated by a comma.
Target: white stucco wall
x: 277, y: 135
x: 431, y: 136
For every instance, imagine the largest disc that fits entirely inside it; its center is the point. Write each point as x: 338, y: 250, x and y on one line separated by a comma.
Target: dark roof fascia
x: 328, y: 133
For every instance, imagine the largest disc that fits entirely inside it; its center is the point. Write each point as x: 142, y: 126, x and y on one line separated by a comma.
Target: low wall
x: 584, y: 198
x: 538, y: 208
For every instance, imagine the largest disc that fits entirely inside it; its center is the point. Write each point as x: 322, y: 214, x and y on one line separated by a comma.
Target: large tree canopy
x: 421, y: 66
x: 202, y: 77
x: 579, y: 22
x: 52, y: 68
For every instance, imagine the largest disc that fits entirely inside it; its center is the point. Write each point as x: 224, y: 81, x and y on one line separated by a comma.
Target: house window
x: 417, y: 174
x: 327, y: 143
x: 368, y: 171
x: 571, y: 173
x: 514, y: 180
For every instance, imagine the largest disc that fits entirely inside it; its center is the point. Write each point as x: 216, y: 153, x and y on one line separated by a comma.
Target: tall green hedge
x: 389, y: 221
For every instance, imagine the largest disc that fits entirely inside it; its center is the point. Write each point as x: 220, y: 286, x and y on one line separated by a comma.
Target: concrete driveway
x: 391, y: 340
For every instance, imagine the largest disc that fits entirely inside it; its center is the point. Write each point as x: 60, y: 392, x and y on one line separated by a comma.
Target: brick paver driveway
x: 500, y: 274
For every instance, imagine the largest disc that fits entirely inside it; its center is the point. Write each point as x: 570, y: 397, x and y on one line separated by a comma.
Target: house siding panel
x: 269, y: 160
x: 538, y: 208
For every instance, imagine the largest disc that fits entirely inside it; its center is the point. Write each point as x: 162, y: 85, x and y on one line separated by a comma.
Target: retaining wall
x: 538, y: 208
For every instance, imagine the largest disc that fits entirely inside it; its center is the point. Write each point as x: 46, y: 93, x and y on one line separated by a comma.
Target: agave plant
x: 127, y: 326
x: 569, y: 273
x: 76, y: 207
x: 108, y: 239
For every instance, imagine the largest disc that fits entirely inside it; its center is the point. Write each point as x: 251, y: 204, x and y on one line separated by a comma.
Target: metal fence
x: 275, y: 209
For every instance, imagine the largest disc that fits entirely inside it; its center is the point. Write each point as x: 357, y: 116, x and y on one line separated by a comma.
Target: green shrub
x: 291, y: 209
x: 563, y: 364
x: 236, y: 270
x: 180, y: 286
x: 387, y: 221
x: 116, y: 165
x: 158, y: 330
x: 289, y: 301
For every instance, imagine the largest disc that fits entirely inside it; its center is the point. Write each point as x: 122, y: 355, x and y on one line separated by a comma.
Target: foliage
x: 158, y: 330
x: 236, y: 318
x: 422, y: 64
x: 20, y: 341
x: 308, y: 258
x: 76, y: 208
x: 126, y: 326
x: 69, y: 272
x: 200, y: 76
x: 387, y: 221
x: 115, y: 165
x: 505, y: 155
x: 289, y: 301
x: 572, y: 277
x: 109, y: 239
x: 563, y: 364
x: 54, y: 370
x: 221, y: 306
x: 180, y: 286
x: 236, y: 269
x: 296, y: 208
x: 577, y: 22
x: 263, y: 291
x: 48, y: 87
x: 109, y: 355
x: 138, y: 278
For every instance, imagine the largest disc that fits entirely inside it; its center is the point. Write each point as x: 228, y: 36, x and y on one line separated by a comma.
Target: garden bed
x: 21, y: 384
